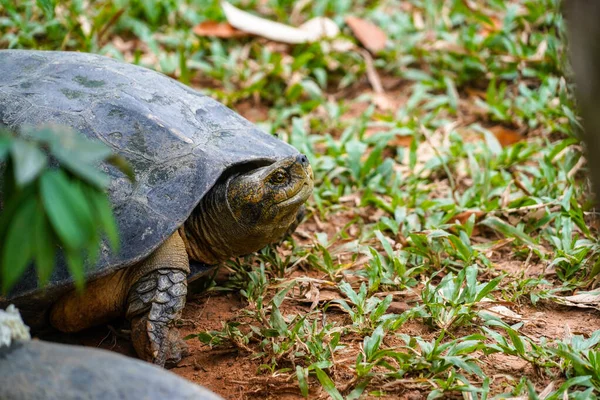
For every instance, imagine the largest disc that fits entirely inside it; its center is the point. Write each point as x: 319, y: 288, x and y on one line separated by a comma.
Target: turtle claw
x: 156, y: 342
x: 177, y: 351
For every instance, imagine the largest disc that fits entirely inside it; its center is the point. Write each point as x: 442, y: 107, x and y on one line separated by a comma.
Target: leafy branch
x: 53, y: 198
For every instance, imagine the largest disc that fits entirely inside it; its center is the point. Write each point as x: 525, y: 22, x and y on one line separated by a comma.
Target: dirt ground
x: 235, y: 374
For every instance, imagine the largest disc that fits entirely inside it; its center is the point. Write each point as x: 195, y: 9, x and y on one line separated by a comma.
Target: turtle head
x: 266, y: 200
x: 249, y: 209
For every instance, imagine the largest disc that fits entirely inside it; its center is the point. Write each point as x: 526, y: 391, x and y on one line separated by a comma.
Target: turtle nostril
x: 302, y: 159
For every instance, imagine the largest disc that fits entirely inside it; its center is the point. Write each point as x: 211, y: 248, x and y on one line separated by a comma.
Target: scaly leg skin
x: 152, y: 293
x: 155, y: 300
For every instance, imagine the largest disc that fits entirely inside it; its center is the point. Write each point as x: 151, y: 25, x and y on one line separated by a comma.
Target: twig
x: 518, y: 183
x: 228, y: 350
x: 577, y: 167
x: 123, y: 334
x: 110, y: 23
x: 525, y: 208
x: 372, y: 75
x: 106, y: 337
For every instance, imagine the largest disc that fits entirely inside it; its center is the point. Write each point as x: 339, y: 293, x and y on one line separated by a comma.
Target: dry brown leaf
x: 317, y: 295
x: 494, y: 27
x: 448, y: 46
x: 398, y: 307
x: 370, y: 35
x: 503, y: 313
x: 581, y: 300
x: 217, y: 29
x: 351, y: 198
x: 464, y: 216
x: 475, y: 92
x: 401, y: 141
x: 547, y: 391
x: 328, y: 295
x: 540, y: 51
x: 313, y: 295
x: 376, y: 216
x: 506, y: 136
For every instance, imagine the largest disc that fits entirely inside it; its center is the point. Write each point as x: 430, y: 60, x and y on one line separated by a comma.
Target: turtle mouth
x: 299, y: 197
x: 303, y: 193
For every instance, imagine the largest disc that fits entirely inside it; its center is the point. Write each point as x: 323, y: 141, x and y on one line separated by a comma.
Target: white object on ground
x: 12, y: 326
x: 310, y: 31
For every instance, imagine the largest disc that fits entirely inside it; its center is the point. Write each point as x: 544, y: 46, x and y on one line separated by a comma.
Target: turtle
x: 40, y: 370
x: 210, y: 185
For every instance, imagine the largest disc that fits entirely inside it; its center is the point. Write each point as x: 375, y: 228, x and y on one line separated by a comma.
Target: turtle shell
x: 178, y: 141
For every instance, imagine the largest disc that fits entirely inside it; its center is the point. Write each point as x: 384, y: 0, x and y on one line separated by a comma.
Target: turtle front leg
x: 155, y: 300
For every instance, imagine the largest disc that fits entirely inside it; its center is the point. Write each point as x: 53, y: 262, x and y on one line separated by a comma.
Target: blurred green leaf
x: 302, y: 374
x: 103, y: 214
x: 76, y: 267
x: 17, y: 250
x: 44, y: 242
x: 47, y: 6
x: 5, y: 143
x: 508, y: 230
x: 29, y: 161
x: 328, y: 384
x: 62, y: 203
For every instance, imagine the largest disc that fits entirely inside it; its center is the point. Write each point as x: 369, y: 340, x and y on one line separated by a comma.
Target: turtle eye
x: 278, y: 178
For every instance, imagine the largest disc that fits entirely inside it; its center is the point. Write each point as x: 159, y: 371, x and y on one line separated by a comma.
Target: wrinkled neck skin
x: 208, y: 231
x: 212, y: 234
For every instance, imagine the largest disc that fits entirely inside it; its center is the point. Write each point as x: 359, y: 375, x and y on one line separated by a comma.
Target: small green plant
x: 422, y: 210
x: 580, y: 357
x: 452, y: 302
x: 365, y: 310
